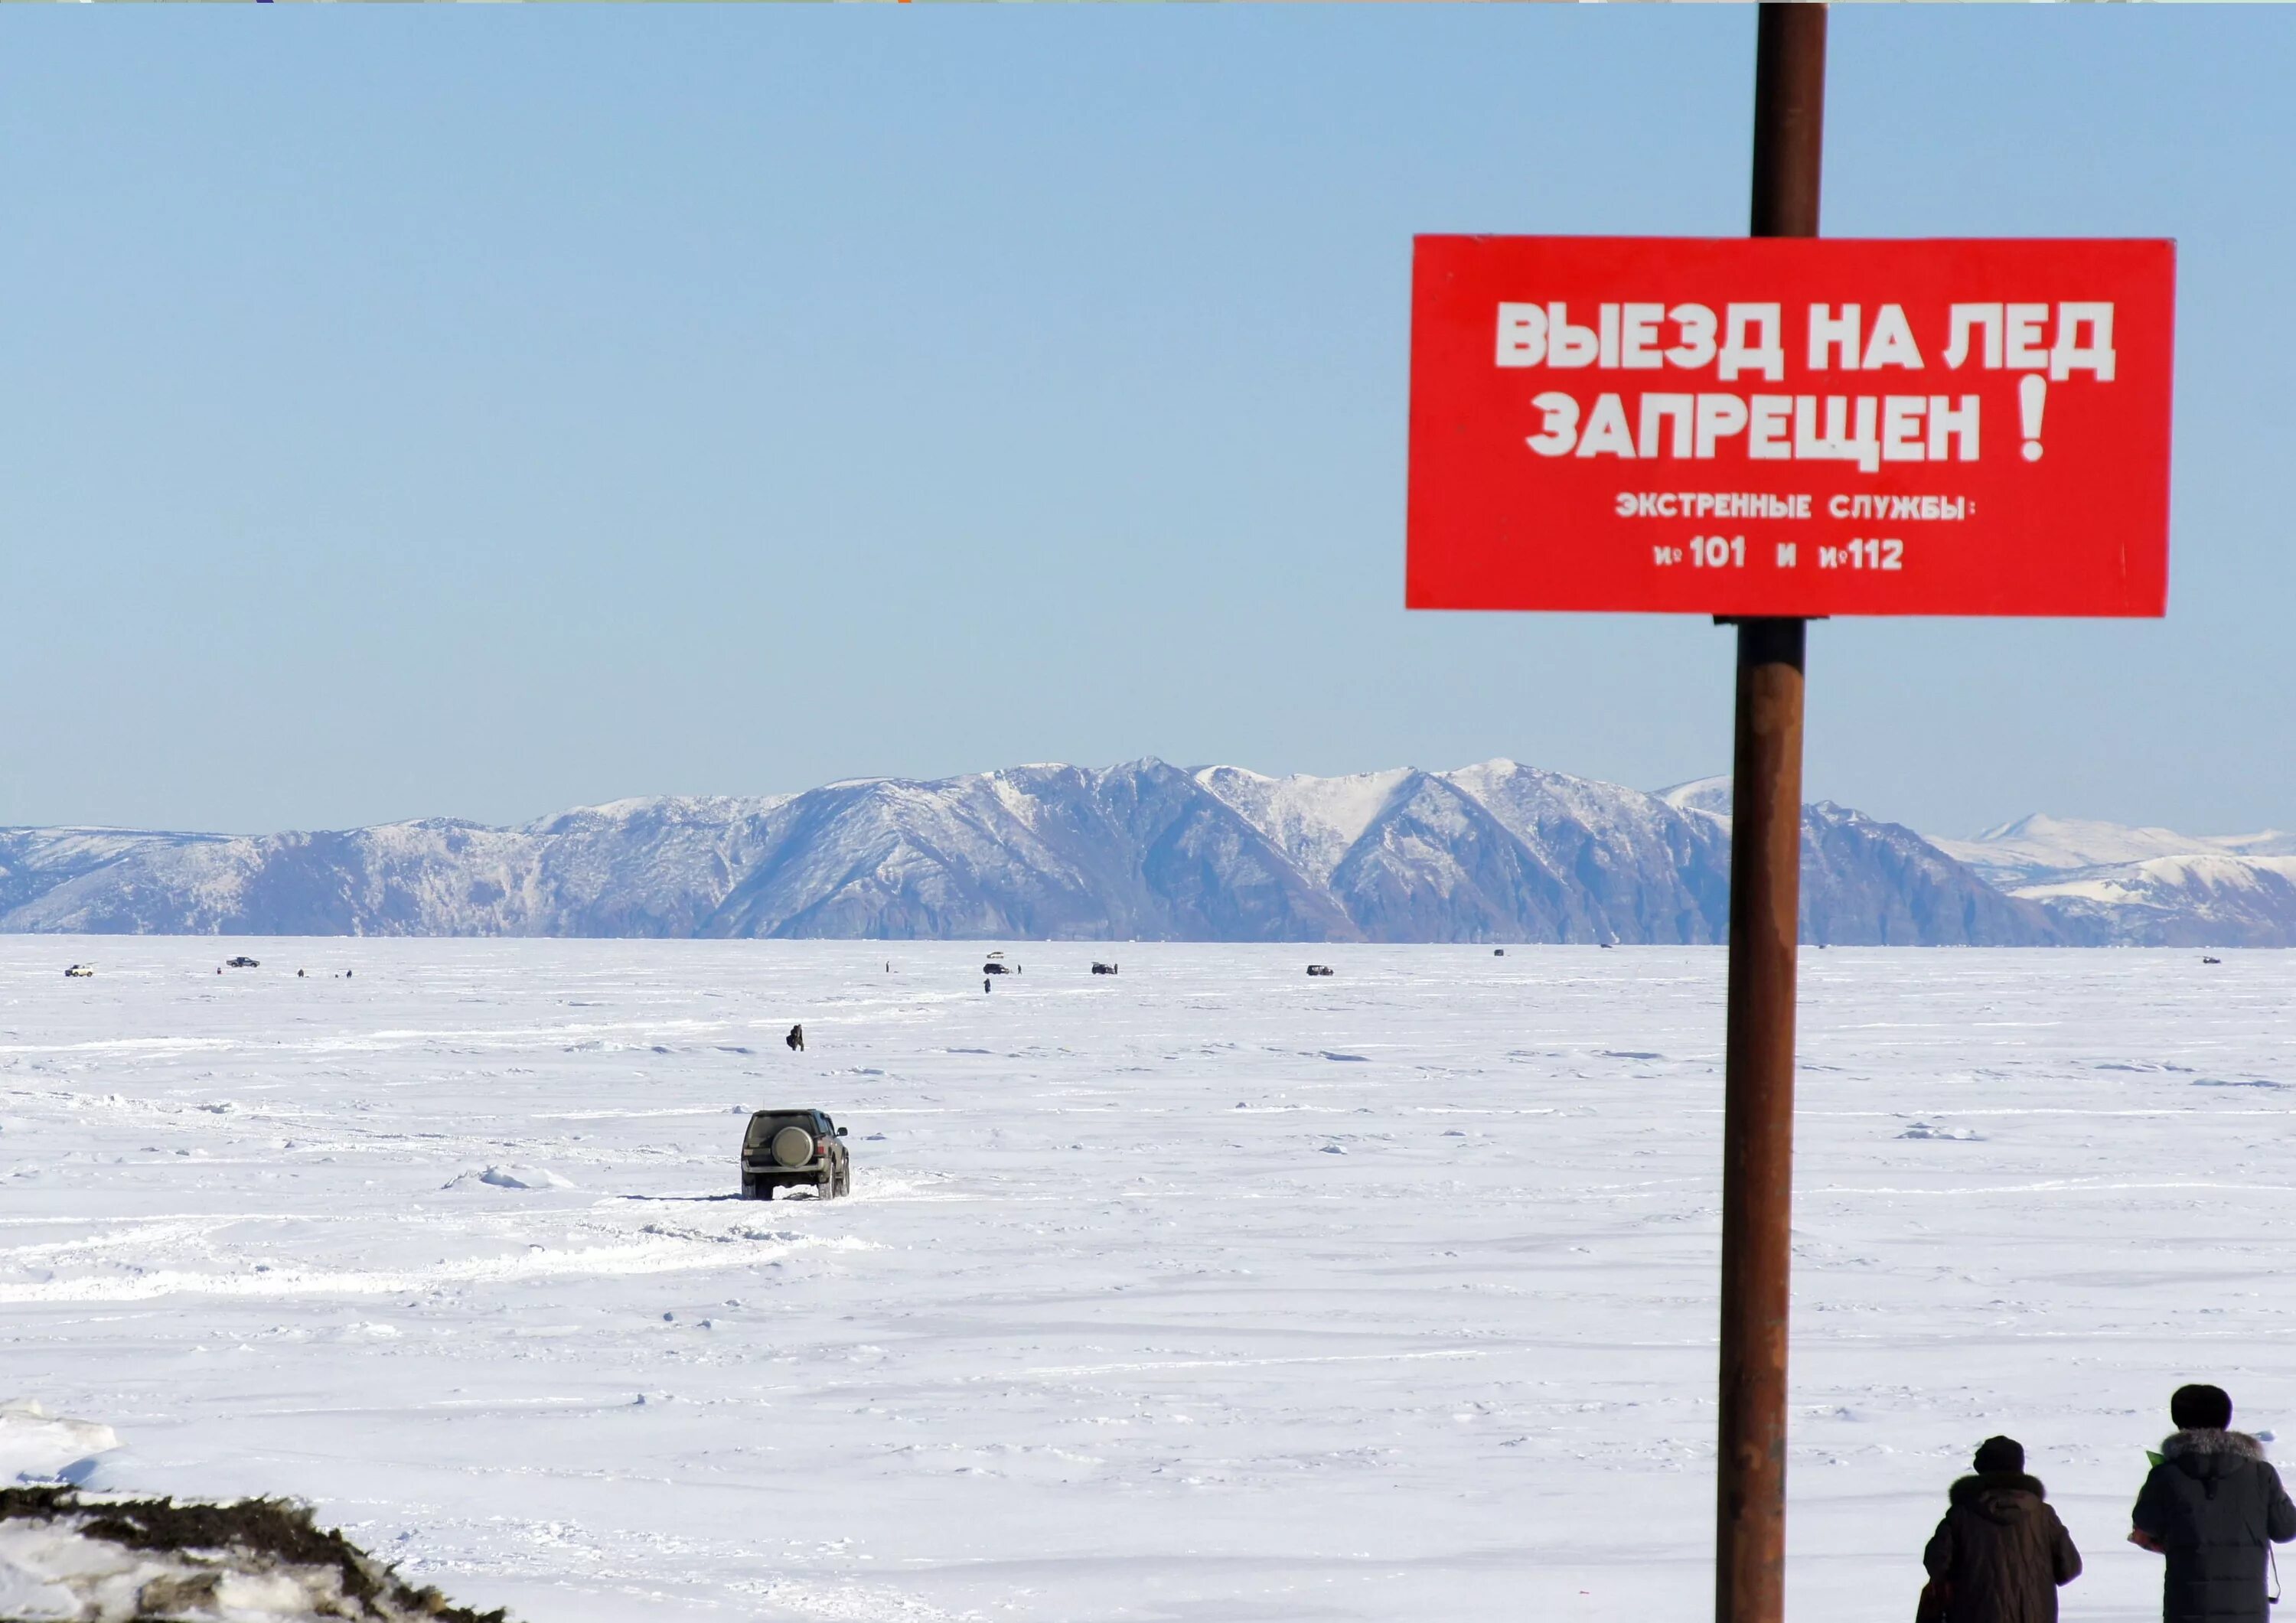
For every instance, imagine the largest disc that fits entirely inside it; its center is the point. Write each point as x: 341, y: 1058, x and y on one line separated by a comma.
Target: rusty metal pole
x: 1765, y: 905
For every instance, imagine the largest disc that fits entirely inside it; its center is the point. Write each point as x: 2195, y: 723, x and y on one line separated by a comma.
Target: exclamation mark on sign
x: 2032, y: 400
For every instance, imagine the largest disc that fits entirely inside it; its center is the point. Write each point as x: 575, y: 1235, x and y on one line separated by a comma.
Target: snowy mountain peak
x: 1313, y: 821
x: 1708, y: 795
x: 2143, y: 885
x: 2038, y: 847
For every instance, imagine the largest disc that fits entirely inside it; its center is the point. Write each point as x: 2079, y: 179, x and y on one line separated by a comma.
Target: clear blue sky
x: 478, y: 412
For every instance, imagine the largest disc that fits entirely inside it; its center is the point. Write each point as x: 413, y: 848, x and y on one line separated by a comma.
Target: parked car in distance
x: 794, y: 1150
x: 80, y: 971
x: 1319, y: 969
x: 240, y: 963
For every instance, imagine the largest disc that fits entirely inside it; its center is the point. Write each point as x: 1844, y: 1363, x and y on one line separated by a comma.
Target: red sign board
x: 1780, y: 426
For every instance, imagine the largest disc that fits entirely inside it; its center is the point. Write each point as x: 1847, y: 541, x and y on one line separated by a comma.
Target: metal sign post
x: 1764, y: 909
x: 1770, y: 430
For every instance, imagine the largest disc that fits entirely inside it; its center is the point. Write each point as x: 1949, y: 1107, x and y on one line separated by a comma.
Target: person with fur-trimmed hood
x: 2000, y: 1555
x: 2214, y: 1507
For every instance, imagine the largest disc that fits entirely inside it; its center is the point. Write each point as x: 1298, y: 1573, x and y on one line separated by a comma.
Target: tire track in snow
x: 681, y: 1256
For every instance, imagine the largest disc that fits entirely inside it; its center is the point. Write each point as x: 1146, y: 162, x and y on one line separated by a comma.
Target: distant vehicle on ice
x: 1319, y: 969
x: 240, y: 963
x: 994, y: 968
x: 1098, y: 968
x: 792, y: 1149
x: 80, y: 971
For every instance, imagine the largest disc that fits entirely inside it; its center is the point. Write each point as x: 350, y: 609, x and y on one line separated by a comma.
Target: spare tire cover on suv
x: 792, y: 1147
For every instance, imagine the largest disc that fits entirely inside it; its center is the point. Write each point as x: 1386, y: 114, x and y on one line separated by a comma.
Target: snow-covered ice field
x: 1205, y: 1292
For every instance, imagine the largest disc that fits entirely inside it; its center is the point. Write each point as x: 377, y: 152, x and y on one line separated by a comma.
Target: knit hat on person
x: 2200, y: 1408
x: 2003, y: 1455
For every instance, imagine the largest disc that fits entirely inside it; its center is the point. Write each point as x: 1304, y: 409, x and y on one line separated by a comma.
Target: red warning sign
x: 1791, y: 426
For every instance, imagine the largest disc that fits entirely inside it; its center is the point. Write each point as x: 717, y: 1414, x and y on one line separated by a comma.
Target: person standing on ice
x: 2215, y: 1508
x: 2000, y: 1555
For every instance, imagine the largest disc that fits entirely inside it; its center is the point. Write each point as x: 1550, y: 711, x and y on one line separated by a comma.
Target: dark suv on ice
x: 792, y: 1149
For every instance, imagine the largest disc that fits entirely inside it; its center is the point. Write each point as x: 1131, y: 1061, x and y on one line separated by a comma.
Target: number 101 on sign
x: 1706, y: 553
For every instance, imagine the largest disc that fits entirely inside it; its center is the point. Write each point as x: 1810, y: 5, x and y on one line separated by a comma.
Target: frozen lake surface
x: 1206, y: 1292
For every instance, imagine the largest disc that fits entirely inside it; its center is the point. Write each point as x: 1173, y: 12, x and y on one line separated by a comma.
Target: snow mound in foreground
x: 511, y: 1177
x: 35, y: 1444
x: 70, y: 1558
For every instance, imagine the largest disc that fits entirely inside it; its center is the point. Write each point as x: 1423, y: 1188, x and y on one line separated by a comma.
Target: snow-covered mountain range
x: 2143, y: 887
x: 1497, y: 852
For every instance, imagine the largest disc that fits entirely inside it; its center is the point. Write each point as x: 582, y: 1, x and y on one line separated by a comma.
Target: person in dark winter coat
x: 2213, y: 1506
x: 2000, y: 1555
